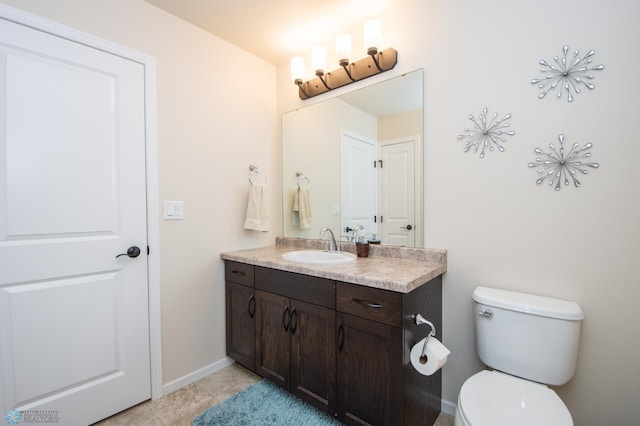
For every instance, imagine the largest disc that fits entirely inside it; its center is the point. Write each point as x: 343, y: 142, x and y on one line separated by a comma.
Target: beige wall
x: 499, y: 227
x: 216, y: 115
x: 400, y: 125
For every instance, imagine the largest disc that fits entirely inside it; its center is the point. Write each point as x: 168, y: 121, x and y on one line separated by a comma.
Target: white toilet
x: 530, y: 342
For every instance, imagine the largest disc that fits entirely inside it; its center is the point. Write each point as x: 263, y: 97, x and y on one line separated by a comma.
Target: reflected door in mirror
x: 359, y: 183
x: 398, y: 192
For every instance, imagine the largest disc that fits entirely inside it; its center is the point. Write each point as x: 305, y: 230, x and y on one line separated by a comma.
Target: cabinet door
x: 273, y: 352
x: 369, y: 372
x: 313, y: 355
x: 241, y: 342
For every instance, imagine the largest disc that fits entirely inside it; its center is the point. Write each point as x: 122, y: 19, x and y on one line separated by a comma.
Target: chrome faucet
x: 332, y: 242
x: 354, y: 233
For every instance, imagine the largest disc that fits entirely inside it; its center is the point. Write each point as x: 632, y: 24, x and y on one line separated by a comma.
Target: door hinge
x: 380, y: 161
x: 380, y: 219
x: 148, y: 250
x: 375, y: 219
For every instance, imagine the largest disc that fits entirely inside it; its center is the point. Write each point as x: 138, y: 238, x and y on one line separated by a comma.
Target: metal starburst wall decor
x: 486, y: 134
x: 568, y: 74
x: 558, y: 165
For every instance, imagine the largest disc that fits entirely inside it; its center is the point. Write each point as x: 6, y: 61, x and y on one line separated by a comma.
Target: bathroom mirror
x: 357, y: 159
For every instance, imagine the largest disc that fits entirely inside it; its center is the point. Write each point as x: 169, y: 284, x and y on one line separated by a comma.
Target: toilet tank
x: 533, y: 337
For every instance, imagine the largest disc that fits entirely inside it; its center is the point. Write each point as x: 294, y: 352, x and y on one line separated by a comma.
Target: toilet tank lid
x: 528, y: 303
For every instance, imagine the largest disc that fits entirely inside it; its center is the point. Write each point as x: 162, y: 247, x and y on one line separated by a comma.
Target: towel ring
x: 254, y: 171
x: 300, y: 178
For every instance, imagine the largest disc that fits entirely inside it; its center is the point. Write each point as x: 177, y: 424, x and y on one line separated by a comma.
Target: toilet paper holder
x: 420, y: 320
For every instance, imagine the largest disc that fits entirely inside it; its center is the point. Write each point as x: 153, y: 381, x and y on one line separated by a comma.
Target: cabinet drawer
x: 239, y: 273
x: 319, y: 291
x: 383, y: 306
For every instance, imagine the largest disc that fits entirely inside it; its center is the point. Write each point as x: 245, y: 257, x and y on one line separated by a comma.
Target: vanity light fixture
x: 375, y: 63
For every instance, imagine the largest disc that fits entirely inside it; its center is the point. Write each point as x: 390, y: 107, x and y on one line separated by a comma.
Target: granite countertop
x: 397, y: 269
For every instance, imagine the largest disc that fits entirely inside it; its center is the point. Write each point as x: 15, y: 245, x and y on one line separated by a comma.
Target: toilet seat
x: 498, y: 399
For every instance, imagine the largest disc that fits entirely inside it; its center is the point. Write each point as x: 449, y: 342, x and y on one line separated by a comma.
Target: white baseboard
x: 183, y: 381
x: 448, y: 407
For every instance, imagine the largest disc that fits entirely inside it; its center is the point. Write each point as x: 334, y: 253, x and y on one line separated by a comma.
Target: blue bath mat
x: 263, y: 403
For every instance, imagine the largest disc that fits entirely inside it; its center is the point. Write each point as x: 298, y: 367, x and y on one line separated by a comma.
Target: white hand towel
x: 257, y: 218
x: 304, y: 208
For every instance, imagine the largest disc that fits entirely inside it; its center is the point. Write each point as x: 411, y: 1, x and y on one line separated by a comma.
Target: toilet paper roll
x: 436, y: 354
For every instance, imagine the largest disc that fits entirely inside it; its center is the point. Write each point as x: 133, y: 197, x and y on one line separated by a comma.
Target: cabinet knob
x: 286, y: 318
x: 367, y: 303
x: 340, y: 337
x: 252, y: 306
x: 294, y: 320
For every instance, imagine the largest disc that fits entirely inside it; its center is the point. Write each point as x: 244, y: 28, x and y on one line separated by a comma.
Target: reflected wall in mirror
x: 356, y: 159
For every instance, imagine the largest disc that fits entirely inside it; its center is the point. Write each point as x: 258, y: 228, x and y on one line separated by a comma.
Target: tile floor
x: 179, y: 407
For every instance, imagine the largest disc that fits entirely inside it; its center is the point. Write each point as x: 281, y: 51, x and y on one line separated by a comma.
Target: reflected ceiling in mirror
x: 329, y: 151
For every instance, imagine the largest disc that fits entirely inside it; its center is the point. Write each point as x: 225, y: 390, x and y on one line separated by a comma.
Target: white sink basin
x: 319, y: 257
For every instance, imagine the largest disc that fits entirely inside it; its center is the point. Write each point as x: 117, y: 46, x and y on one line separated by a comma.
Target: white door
x: 398, y: 199
x: 359, y: 183
x: 74, y: 322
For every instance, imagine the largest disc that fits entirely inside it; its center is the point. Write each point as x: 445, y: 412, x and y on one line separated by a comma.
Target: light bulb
x: 319, y: 59
x: 372, y: 36
x: 343, y: 49
x: 297, y: 69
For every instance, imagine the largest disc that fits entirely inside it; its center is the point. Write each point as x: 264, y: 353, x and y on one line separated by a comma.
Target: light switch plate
x: 173, y: 210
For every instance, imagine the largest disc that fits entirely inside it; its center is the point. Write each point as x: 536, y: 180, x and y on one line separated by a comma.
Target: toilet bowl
x: 529, y: 341
x: 498, y: 399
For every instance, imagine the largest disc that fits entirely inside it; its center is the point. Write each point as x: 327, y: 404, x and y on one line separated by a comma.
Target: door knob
x: 132, y: 251
x: 408, y: 227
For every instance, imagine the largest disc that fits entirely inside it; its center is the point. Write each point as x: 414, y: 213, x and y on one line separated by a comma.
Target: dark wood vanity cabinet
x: 376, y: 330
x: 295, y: 335
x: 240, y: 313
x: 369, y: 355
x: 344, y: 348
